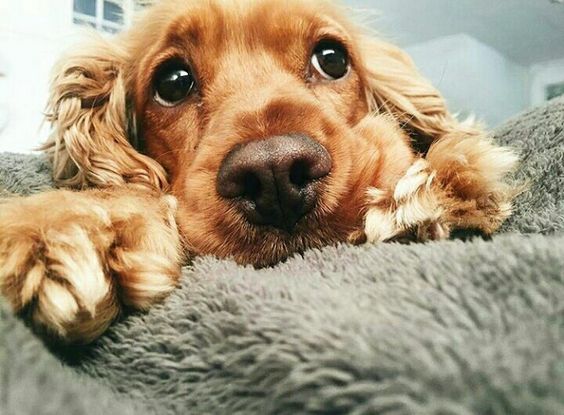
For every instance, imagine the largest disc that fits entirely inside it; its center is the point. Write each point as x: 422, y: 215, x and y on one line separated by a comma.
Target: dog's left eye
x: 173, y: 83
x: 330, y: 60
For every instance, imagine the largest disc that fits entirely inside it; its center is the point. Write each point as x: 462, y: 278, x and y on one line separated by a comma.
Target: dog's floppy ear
x: 87, y: 108
x: 395, y: 86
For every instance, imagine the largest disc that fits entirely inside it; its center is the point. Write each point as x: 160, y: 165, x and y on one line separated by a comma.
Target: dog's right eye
x: 173, y: 82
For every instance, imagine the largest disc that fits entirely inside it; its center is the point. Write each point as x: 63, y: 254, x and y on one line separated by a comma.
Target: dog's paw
x: 474, y: 172
x: 413, y: 210
x: 59, y: 280
x: 70, y: 261
x: 146, y: 261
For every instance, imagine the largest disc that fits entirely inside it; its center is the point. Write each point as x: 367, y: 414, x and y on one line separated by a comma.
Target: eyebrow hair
x: 197, y: 20
x: 183, y: 30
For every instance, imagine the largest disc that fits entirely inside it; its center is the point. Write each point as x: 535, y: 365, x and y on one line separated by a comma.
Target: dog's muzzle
x: 275, y: 181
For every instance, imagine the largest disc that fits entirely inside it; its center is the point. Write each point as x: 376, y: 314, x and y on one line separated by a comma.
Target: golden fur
x: 402, y: 164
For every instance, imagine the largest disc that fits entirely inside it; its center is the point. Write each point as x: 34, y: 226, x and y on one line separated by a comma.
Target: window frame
x: 98, y: 21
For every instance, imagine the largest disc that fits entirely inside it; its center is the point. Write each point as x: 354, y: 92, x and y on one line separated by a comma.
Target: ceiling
x: 526, y: 31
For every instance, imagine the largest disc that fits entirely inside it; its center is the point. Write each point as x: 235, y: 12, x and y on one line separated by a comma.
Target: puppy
x: 249, y: 130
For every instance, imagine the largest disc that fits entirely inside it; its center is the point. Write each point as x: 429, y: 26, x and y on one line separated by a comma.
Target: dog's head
x: 247, y: 111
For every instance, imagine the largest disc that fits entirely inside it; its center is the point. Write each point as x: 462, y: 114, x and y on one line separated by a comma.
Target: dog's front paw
x: 473, y: 172
x: 146, y: 260
x: 413, y: 210
x: 57, y: 276
x: 70, y: 261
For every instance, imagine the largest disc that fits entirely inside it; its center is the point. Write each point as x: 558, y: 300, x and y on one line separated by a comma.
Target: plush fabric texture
x: 453, y: 327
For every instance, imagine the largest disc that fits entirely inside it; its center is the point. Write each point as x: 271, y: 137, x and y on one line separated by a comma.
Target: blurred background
x: 491, y: 58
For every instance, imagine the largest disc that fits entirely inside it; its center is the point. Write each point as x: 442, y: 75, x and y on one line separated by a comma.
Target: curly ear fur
x: 87, y: 110
x: 395, y: 86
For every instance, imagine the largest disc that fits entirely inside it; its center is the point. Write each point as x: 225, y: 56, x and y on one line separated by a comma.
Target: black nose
x: 274, y: 181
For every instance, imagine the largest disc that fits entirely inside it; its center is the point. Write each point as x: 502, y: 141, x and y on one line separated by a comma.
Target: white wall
x: 473, y: 77
x: 33, y: 34
x: 543, y: 74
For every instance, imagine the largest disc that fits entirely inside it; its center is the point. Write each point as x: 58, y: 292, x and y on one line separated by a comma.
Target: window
x: 554, y: 90
x: 109, y: 16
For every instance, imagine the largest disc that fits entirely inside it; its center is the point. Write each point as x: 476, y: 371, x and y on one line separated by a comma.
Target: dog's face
x: 254, y: 111
x: 250, y: 107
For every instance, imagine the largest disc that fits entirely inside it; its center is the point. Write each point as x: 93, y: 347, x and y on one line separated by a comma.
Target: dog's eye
x: 330, y: 60
x: 173, y: 83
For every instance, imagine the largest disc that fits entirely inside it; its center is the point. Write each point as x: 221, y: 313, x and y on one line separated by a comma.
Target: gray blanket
x: 453, y: 327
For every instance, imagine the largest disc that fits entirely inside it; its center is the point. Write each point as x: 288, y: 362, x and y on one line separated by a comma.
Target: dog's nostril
x: 252, y: 186
x: 298, y: 173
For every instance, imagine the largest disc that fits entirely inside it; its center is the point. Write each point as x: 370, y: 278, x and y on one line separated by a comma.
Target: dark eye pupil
x: 332, y: 59
x: 173, y: 85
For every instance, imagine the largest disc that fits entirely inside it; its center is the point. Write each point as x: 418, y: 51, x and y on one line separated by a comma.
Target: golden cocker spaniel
x: 245, y: 129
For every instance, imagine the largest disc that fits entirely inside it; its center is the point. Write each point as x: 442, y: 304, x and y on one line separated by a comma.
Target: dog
x: 250, y: 130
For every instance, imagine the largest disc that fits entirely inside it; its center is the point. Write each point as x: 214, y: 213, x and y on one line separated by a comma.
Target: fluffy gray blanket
x: 454, y: 327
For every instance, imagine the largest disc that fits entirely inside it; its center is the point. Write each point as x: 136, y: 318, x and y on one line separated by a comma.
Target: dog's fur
x: 73, y: 259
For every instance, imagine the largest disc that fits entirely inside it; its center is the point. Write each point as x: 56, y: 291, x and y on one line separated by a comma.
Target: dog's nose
x: 274, y: 181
